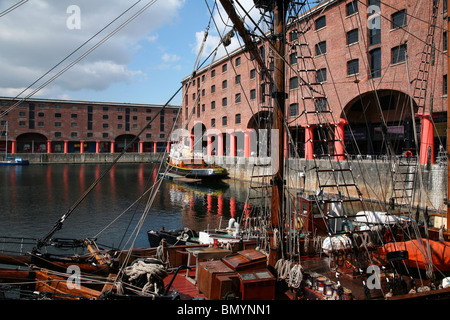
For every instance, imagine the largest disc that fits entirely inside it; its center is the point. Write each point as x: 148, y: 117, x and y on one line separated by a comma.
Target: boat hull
x: 172, y: 238
x: 199, y: 172
x: 14, y: 163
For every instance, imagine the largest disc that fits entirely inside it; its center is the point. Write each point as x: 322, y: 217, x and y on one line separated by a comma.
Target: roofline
x: 110, y: 103
x: 312, y: 11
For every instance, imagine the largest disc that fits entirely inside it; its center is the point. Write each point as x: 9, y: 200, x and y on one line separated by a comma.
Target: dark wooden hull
x: 203, y: 172
x: 155, y: 237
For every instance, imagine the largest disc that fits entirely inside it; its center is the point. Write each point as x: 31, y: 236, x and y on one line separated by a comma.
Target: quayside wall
x: 373, y: 177
x: 77, y: 158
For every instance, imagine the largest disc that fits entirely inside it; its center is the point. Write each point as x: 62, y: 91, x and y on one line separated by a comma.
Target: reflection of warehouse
x: 384, y: 82
x: 63, y: 126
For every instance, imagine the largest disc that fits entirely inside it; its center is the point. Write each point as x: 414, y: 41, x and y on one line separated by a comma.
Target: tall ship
x: 311, y: 231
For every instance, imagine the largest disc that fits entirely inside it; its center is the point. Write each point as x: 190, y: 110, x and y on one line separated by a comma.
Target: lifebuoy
x: 408, y: 154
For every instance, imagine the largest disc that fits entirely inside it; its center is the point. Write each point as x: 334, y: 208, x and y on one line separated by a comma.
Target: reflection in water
x: 34, y: 197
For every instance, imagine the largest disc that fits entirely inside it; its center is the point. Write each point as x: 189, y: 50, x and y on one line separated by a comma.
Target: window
x: 213, y: 105
x: 238, y: 79
x: 398, y: 54
x: 321, y: 104
x: 237, y: 98
x: 321, y: 75
x: 262, y: 51
x: 105, y: 125
x: 213, y: 73
x: 293, y: 110
x: 293, y: 83
x: 203, y: 108
x: 293, y: 58
x: 224, y: 121
x: 374, y: 3
x: 203, y: 92
x: 224, y: 102
x: 213, y: 88
x: 238, y: 61
x: 224, y: 84
x: 253, y: 94
x: 444, y: 38
x: 40, y: 124
x: 253, y: 74
x: 57, y: 115
x: 374, y: 36
x: 352, y: 7
x: 353, y: 67
x: 213, y: 123
x: 398, y: 19
x: 293, y: 35
x: 74, y: 125
x: 105, y: 108
x: 22, y: 123
x: 375, y: 63
x: 321, y: 22
x: 224, y: 68
x: 74, y: 134
x: 105, y: 135
x: 57, y: 134
x: 321, y: 48
x: 40, y: 114
x: 22, y: 114
x: 445, y: 85
x: 352, y: 36
x: 237, y: 118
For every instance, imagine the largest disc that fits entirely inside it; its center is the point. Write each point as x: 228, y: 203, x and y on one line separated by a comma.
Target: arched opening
x: 123, y: 140
x: 197, y: 132
x: 261, y: 122
x: 31, y: 143
x: 380, y: 123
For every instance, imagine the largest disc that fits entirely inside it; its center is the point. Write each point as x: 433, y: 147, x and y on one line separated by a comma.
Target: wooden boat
x: 11, y: 161
x: 16, y: 161
x: 181, y: 161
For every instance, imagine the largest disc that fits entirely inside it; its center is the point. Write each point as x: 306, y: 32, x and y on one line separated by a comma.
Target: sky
x: 144, y: 62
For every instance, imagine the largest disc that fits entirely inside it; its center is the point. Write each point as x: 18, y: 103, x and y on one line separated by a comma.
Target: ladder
x: 403, y: 181
x: 335, y: 179
x: 426, y: 60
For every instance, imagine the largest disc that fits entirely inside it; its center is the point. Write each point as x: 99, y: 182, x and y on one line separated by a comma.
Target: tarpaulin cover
x: 417, y: 253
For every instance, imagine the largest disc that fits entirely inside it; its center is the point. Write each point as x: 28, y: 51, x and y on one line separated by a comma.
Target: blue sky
x: 166, y: 60
x: 143, y: 63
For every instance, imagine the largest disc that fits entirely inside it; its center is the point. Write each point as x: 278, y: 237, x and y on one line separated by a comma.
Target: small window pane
x: 352, y: 7
x: 353, y: 67
x: 352, y: 36
x: 321, y: 22
x: 399, y: 19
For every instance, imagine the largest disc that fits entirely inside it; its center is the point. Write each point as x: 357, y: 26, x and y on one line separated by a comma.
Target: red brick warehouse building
x: 64, y: 126
x: 379, y: 67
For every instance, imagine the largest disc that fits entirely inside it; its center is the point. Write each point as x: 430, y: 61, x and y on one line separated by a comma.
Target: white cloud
x: 222, y: 27
x: 167, y: 57
x: 35, y: 37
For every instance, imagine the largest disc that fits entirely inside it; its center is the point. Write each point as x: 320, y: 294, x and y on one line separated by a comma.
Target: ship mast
x: 279, y: 8
x: 279, y: 96
x: 448, y: 128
